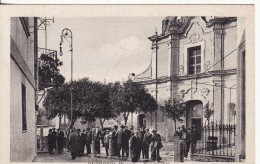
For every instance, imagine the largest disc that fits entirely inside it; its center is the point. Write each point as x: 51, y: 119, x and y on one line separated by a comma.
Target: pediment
x: 195, y: 26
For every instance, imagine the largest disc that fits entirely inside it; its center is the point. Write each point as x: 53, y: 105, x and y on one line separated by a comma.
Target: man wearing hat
x: 187, y: 142
x: 134, y: 145
x: 79, y: 143
x: 120, y: 136
x: 73, y: 142
x: 126, y: 141
x: 60, y: 140
x: 141, y: 137
x: 88, y: 140
x: 156, y: 145
x: 82, y: 142
x: 50, y: 142
x: 96, y: 136
x: 114, y: 140
x: 146, y: 142
x: 106, y: 142
x: 54, y: 135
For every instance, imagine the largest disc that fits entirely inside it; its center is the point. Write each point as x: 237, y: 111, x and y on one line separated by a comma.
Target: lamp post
x: 67, y: 35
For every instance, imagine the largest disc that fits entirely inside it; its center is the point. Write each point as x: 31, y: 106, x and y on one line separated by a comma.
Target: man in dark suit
x: 73, y: 142
x: 96, y: 136
x: 114, y: 140
x: 120, y: 136
x: 88, y: 140
x: 54, y: 135
x: 146, y: 142
x: 79, y: 144
x: 50, y: 142
x: 156, y: 145
x: 82, y: 143
x: 126, y: 141
x: 60, y: 140
x: 141, y: 136
x: 134, y: 144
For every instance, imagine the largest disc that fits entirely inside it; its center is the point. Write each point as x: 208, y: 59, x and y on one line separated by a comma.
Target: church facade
x: 193, y: 59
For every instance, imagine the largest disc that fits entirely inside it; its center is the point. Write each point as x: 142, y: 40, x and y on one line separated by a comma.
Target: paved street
x: 166, y: 154
x: 66, y: 157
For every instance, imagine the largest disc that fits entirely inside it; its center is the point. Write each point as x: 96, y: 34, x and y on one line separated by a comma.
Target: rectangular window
x: 194, y: 60
x: 24, y: 121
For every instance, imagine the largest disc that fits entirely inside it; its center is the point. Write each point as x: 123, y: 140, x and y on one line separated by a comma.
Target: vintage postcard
x: 127, y: 83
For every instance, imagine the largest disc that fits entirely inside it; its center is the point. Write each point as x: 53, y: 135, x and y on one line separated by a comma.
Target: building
x: 23, y: 58
x: 196, y: 59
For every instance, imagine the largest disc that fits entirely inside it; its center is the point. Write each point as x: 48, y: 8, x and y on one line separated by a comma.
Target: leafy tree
x: 174, y: 109
x: 99, y: 103
x: 58, y: 102
x: 90, y: 101
x: 48, y: 73
x: 117, y: 99
x: 131, y: 97
x: 208, y: 112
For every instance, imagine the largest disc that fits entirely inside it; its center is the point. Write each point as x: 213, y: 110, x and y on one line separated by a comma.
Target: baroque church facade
x: 195, y: 59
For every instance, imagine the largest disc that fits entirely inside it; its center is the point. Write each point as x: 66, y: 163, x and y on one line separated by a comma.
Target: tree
x: 99, y: 103
x: 118, y: 100
x: 90, y: 101
x: 49, y: 73
x: 174, y: 109
x: 57, y: 101
x: 131, y: 97
x: 208, y: 112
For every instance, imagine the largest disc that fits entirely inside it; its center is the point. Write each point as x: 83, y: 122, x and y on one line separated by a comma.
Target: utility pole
x: 156, y: 74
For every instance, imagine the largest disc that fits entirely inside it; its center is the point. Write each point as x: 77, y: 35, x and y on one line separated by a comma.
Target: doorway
x: 141, y: 121
x: 196, y: 123
x: 194, y: 114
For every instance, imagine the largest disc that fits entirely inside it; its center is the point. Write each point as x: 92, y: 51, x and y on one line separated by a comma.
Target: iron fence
x: 215, y: 139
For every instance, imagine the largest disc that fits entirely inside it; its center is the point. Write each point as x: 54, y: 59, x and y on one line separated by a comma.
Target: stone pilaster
x: 240, y: 113
x: 218, y: 79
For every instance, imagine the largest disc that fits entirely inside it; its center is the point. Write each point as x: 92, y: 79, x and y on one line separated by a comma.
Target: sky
x: 104, y: 48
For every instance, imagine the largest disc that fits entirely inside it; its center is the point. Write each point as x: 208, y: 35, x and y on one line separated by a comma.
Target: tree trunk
x: 101, y: 122
x: 174, y: 125
x: 126, y: 117
x: 60, y: 117
x: 72, y: 123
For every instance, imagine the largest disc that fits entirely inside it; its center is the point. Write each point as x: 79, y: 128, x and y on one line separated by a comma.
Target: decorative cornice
x: 173, y: 25
x: 220, y: 20
x: 189, y: 77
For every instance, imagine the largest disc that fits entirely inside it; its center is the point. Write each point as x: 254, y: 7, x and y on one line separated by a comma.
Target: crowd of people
x: 56, y: 140
x: 119, y: 141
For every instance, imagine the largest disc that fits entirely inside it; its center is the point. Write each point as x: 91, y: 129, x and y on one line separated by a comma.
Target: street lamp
x: 67, y: 35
